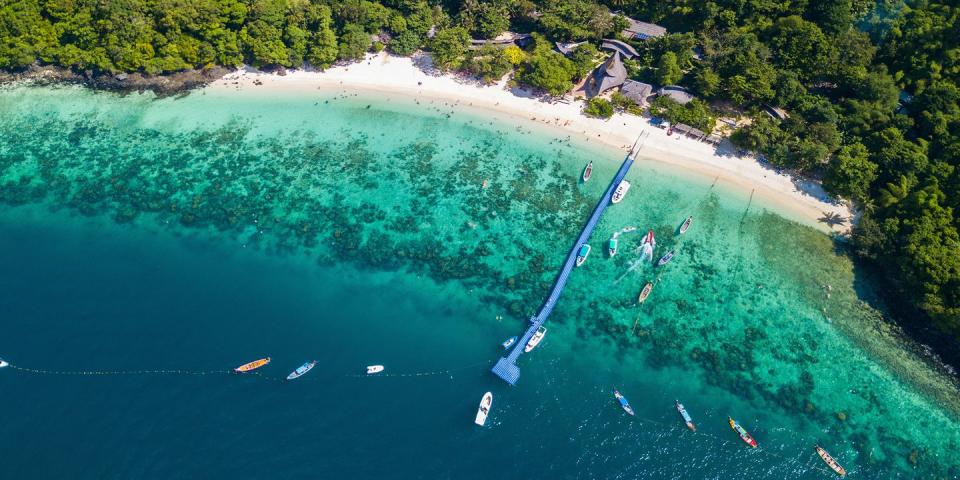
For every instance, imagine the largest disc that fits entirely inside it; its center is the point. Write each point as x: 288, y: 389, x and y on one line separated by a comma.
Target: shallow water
x: 202, y: 232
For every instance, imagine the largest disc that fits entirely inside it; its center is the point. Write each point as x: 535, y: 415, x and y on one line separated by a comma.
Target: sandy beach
x: 800, y: 200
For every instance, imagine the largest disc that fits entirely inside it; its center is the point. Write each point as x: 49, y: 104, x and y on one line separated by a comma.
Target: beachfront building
x: 642, y: 30
x: 505, y: 39
x: 624, y: 48
x: 609, y: 74
x: 636, y: 91
x: 676, y: 93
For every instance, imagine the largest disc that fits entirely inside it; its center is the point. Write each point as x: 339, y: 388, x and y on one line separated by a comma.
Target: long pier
x: 506, y: 368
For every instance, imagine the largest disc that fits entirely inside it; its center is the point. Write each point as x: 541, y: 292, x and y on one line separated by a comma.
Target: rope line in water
x: 40, y: 371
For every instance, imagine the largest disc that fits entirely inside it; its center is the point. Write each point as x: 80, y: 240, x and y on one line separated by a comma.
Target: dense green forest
x: 871, y: 87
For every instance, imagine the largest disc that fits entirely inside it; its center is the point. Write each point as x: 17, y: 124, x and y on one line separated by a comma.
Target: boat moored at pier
x: 583, y: 253
x: 622, y: 188
x: 535, y: 339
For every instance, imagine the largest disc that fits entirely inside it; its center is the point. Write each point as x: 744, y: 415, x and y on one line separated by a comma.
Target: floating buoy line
x: 430, y: 373
x: 261, y: 375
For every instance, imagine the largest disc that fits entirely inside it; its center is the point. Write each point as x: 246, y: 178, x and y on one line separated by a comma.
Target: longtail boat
x: 645, y: 292
x: 249, y: 367
x: 623, y: 402
x: 587, y: 171
x: 686, y: 416
x: 686, y: 225
x: 301, y: 370
x: 665, y: 259
x: 829, y: 460
x: 742, y: 432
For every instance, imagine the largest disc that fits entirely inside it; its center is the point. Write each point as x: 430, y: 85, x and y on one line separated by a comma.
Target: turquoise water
x: 202, y: 232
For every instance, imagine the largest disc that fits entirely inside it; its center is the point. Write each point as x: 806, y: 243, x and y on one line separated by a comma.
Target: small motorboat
x: 829, y: 460
x: 485, y: 403
x: 686, y: 225
x: 665, y: 259
x: 509, y: 342
x: 583, y: 254
x: 612, y: 247
x: 535, y: 339
x: 302, y: 370
x: 3, y: 363
x: 645, y: 292
x: 742, y: 432
x: 587, y: 171
x: 686, y: 416
x: 623, y: 402
x: 249, y: 367
x: 373, y: 369
x: 620, y: 191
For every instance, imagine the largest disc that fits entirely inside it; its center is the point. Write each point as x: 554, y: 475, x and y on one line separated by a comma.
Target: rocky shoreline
x: 162, y: 85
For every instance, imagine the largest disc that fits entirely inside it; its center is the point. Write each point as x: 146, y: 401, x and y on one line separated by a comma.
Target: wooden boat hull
x: 686, y: 417
x: 645, y: 292
x: 587, y: 171
x: 485, y: 403
x: 830, y: 461
x: 742, y: 432
x: 249, y: 367
x: 665, y: 259
x: 624, y: 404
x: 303, y: 370
x: 686, y: 225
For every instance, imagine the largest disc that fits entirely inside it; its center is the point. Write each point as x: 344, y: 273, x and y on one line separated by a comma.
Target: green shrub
x: 598, y: 107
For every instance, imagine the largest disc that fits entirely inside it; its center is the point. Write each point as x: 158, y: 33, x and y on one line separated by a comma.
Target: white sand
x: 799, y: 200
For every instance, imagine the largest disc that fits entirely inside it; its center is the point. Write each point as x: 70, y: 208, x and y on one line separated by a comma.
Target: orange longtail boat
x: 249, y: 367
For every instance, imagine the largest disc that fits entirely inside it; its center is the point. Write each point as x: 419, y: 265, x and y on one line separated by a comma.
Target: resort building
x: 505, y: 39
x: 775, y: 113
x: 567, y: 48
x: 624, y: 48
x: 608, y: 75
x: 636, y: 91
x: 677, y: 93
x: 642, y: 30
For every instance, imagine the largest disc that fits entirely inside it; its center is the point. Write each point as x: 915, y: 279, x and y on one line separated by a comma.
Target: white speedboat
x: 620, y: 192
x: 535, y: 339
x: 3, y: 363
x: 485, y: 403
x: 372, y: 369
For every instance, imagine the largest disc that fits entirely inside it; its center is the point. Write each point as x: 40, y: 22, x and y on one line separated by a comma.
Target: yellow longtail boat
x: 249, y: 367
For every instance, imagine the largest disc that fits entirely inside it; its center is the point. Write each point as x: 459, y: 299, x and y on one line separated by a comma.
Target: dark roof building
x: 567, y: 48
x: 617, y: 46
x: 678, y: 94
x: 642, y: 30
x: 775, y: 112
x: 608, y: 75
x: 636, y: 91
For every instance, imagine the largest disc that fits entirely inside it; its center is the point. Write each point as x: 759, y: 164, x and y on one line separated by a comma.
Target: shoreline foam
x: 798, y: 199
